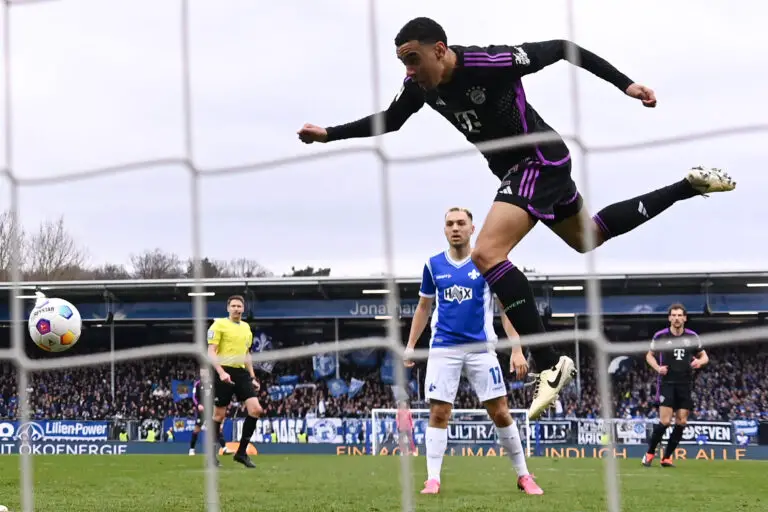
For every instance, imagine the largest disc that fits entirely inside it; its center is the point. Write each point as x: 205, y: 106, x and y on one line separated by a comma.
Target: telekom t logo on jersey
x: 468, y: 121
x: 679, y: 353
x: 457, y: 293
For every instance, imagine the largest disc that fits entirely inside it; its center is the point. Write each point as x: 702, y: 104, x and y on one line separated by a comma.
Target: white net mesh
x: 594, y: 335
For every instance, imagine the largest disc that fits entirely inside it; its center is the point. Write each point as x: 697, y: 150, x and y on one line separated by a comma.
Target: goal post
x: 466, y: 427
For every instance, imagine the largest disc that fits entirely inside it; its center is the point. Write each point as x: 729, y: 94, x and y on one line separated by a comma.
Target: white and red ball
x: 54, y: 324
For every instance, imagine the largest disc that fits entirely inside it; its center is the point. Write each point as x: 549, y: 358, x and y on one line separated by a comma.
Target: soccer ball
x: 54, y: 324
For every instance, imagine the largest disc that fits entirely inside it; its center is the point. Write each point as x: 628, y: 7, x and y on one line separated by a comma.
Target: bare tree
x: 308, y: 271
x: 54, y: 254
x: 244, y: 267
x: 156, y: 264
x: 109, y: 271
x: 8, y: 230
x: 210, y: 268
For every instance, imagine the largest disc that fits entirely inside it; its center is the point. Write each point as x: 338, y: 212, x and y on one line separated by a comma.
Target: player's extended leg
x: 624, y: 216
x: 509, y: 438
x: 665, y: 418
x: 504, y: 227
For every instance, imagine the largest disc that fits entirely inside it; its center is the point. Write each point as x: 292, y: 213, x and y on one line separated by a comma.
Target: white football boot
x: 708, y: 180
x: 549, y: 384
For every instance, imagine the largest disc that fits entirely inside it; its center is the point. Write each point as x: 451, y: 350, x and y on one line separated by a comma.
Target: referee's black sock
x: 658, y: 433
x: 674, y: 440
x: 622, y: 217
x: 222, y: 441
x: 249, y: 425
x: 514, y: 291
x: 193, y: 441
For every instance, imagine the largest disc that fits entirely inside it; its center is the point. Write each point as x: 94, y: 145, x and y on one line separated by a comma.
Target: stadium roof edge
x: 353, y: 280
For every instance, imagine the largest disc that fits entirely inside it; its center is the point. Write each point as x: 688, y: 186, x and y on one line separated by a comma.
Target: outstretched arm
x: 532, y: 57
x: 407, y: 102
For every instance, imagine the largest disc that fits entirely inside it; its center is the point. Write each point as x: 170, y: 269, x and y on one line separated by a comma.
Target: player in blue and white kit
x: 464, y: 316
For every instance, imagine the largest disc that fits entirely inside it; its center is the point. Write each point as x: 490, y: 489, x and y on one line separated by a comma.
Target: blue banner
x: 181, y: 389
x: 280, y: 392
x: 387, y: 370
x: 324, y: 365
x: 182, y: 430
x: 337, y: 387
x: 700, y: 454
x: 368, y: 358
x: 59, y: 430
x: 288, y: 380
x: 369, y: 308
x: 355, y: 386
x: 261, y: 342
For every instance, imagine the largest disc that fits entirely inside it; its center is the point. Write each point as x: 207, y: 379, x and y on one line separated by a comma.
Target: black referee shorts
x: 677, y: 395
x: 547, y: 192
x: 241, y: 387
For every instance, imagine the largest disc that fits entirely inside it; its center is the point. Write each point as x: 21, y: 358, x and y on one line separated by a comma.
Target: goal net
x: 468, y: 428
x: 470, y: 432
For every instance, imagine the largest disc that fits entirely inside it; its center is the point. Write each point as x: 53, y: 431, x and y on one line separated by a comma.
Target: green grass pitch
x: 305, y: 483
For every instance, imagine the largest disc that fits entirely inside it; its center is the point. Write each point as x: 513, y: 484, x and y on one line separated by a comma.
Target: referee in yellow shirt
x: 230, y: 340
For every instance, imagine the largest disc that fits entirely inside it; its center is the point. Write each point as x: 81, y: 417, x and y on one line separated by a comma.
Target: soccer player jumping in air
x: 463, y: 318
x: 479, y: 90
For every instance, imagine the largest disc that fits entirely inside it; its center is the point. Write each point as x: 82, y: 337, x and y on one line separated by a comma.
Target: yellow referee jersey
x: 234, y: 340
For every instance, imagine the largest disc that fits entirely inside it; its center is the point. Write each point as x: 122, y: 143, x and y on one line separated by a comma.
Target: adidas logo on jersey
x: 457, y: 293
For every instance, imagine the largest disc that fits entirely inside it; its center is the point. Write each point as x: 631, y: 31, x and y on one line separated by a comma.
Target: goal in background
x: 471, y: 428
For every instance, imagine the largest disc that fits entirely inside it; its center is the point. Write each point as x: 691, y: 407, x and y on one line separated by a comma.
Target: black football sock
x: 249, y: 425
x: 514, y: 291
x: 193, y: 441
x: 674, y: 440
x: 222, y: 441
x: 622, y: 217
x: 216, y: 426
x: 658, y: 433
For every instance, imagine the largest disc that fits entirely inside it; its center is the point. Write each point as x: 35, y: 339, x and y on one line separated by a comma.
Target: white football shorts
x: 444, y: 370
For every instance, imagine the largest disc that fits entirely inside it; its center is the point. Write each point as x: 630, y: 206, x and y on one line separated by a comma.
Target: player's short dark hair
x: 423, y: 30
x: 236, y: 297
x: 459, y: 209
x: 675, y: 306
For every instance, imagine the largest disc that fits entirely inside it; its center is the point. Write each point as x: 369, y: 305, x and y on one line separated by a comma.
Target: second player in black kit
x: 199, y: 394
x: 479, y: 90
x: 675, y: 354
x: 675, y: 388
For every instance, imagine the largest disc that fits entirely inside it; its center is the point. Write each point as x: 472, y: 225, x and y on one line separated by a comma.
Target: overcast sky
x: 97, y: 82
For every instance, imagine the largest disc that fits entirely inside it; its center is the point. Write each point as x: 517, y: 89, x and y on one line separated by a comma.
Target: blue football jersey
x: 464, y: 301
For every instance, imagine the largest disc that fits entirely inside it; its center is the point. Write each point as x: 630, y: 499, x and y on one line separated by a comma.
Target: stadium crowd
x: 733, y: 386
